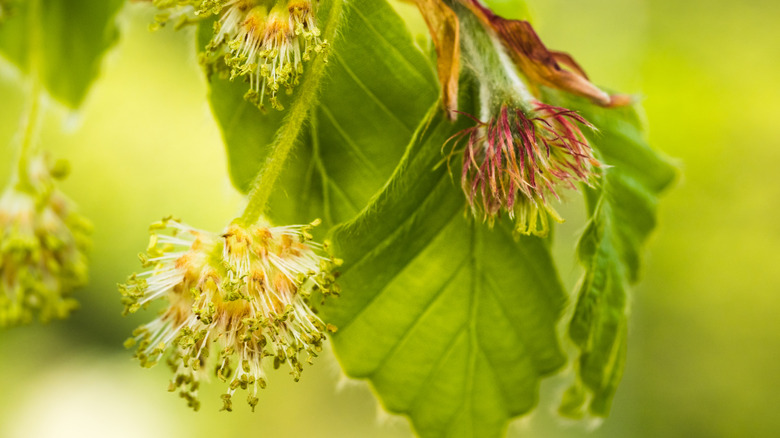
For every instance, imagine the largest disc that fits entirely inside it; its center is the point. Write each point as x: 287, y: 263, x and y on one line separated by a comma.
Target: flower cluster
x: 523, y: 150
x: 42, y: 247
x: 265, y: 42
x: 233, y: 299
x: 518, y: 159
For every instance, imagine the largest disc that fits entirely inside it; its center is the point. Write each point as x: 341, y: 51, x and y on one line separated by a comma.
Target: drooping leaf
x: 376, y: 88
x: 453, y: 323
x: 622, y: 216
x: 69, y: 39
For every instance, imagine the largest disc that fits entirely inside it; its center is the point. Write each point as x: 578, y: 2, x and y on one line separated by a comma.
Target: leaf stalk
x: 31, y: 123
x: 265, y: 180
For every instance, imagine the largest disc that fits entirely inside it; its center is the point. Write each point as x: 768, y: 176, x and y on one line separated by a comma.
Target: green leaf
x: 377, y: 87
x: 68, y: 38
x: 622, y: 216
x: 453, y: 323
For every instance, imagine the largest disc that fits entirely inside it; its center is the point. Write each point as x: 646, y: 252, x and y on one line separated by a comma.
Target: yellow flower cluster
x: 233, y: 299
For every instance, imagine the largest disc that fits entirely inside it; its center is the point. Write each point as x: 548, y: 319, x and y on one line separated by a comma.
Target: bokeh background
x: 704, y: 340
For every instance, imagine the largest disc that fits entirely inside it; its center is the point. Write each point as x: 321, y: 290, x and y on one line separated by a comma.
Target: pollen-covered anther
x: 42, y: 247
x: 265, y: 42
x: 234, y: 299
x: 516, y: 161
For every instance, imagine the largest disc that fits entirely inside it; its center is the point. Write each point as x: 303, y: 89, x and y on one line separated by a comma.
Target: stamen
x: 246, y: 289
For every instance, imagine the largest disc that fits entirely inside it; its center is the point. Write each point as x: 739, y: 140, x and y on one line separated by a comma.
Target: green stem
x: 264, y: 182
x: 30, y: 129
x: 484, y: 55
x: 31, y: 124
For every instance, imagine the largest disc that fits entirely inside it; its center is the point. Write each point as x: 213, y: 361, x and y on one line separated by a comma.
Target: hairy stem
x: 489, y: 62
x: 263, y: 184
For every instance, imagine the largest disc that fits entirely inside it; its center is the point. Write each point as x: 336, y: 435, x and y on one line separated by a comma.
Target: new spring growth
x: 265, y: 42
x: 521, y: 151
x: 233, y: 300
x: 42, y: 247
x: 518, y: 159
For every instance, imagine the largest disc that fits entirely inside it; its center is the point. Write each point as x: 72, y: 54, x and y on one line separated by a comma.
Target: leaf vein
x: 350, y: 142
x: 501, y: 389
x: 411, y: 68
x: 437, y: 366
x: 426, y: 309
x: 507, y: 317
x: 381, y: 246
x: 343, y: 194
x: 373, y: 97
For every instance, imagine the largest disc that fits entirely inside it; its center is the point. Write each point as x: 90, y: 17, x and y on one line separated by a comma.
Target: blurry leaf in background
x: 377, y: 88
x: 510, y: 9
x: 69, y: 37
x: 452, y: 322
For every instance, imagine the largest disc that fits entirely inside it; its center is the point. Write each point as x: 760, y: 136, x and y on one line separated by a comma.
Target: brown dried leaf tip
x: 445, y: 33
x: 539, y: 64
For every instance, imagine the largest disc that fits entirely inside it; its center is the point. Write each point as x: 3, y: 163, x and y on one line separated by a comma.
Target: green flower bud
x: 42, y: 249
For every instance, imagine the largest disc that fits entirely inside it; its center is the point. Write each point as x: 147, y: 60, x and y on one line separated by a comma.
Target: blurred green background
x: 704, y: 338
